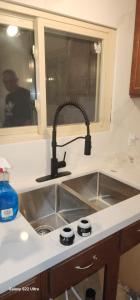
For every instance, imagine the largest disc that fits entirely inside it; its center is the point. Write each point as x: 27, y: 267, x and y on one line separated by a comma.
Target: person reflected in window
x: 17, y: 102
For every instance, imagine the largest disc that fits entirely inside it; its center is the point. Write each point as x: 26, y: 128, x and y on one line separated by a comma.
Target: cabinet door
x: 82, y: 265
x: 135, y: 71
x: 33, y: 289
x: 129, y: 272
x: 130, y: 237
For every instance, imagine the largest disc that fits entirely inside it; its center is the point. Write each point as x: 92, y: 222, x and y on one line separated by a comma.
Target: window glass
x: 17, y: 84
x: 72, y: 74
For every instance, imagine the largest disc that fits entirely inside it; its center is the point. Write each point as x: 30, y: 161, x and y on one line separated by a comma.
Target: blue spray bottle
x: 8, y: 198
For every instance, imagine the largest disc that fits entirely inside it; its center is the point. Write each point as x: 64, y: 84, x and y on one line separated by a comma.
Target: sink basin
x: 51, y: 207
x: 99, y: 190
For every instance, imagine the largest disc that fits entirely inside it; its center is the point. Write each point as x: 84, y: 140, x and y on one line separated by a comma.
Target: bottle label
x: 86, y: 234
x: 6, y: 213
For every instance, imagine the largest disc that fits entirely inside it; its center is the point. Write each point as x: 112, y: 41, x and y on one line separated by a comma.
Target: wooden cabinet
x: 80, y: 266
x: 34, y: 289
x: 135, y: 70
x: 129, y: 272
x: 129, y: 237
x: 105, y: 253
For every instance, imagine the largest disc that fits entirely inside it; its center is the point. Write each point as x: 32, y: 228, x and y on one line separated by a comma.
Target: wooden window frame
x: 38, y: 20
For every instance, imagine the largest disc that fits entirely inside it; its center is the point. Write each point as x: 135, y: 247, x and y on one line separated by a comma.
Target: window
x: 17, y: 68
x: 72, y: 74
x: 53, y: 59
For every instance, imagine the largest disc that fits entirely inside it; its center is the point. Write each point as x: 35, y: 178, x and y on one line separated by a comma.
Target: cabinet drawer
x: 23, y: 291
x: 81, y: 265
x: 130, y: 237
x: 32, y: 289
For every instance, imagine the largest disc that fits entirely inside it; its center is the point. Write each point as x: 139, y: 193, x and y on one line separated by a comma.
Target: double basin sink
x: 51, y: 207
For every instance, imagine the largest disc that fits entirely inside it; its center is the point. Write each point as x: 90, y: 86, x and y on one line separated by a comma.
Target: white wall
x: 119, y: 14
x: 105, y: 12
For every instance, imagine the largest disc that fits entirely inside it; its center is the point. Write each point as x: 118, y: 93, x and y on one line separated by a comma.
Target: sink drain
x: 44, y: 229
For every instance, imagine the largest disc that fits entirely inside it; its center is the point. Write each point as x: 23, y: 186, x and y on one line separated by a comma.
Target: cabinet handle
x: 87, y: 267
x: 138, y: 230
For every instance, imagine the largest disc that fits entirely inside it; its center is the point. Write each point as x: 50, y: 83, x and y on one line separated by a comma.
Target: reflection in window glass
x: 17, y: 84
x: 72, y: 74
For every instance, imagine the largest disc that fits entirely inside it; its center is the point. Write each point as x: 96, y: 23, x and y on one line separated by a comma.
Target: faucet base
x: 50, y: 177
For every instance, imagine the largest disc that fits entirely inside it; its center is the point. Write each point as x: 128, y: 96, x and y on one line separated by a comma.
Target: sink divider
x: 76, y: 194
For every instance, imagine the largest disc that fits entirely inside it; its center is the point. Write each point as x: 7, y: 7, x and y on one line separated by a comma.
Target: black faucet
x: 55, y: 164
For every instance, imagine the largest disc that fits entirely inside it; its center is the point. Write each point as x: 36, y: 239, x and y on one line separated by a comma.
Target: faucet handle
x: 62, y: 164
x: 64, y: 156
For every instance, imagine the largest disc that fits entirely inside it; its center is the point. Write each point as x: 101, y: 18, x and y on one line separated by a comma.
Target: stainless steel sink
x: 99, y: 190
x: 51, y: 207
x: 54, y: 206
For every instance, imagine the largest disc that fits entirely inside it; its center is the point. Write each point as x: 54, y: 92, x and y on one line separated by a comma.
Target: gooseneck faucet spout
x: 55, y: 164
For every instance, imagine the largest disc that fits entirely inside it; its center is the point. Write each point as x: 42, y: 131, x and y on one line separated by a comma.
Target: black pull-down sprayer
x: 55, y: 164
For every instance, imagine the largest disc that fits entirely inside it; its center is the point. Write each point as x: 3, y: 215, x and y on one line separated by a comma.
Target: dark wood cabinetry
x: 80, y: 266
x: 135, y: 70
x: 129, y: 237
x: 34, y: 289
x: 105, y: 253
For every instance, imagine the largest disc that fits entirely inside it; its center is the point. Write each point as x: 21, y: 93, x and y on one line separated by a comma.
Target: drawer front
x: 23, y: 291
x: 130, y: 237
x: 82, y: 265
x: 33, y: 289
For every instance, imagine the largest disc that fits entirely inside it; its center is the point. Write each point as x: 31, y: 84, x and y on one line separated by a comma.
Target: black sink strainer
x: 44, y: 229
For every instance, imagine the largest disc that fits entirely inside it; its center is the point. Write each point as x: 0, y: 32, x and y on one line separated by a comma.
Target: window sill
x: 29, y: 133
x: 20, y: 134
x: 78, y: 129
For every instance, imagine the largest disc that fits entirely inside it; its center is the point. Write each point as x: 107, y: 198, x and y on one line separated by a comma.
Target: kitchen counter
x: 23, y: 253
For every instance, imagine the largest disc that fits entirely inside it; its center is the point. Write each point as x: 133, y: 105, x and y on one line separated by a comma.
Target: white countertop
x: 22, y: 259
